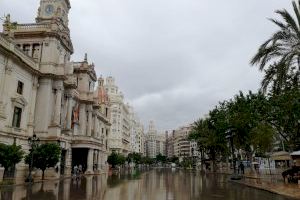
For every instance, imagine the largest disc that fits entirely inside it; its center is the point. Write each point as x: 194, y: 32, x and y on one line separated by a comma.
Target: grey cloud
x: 173, y: 59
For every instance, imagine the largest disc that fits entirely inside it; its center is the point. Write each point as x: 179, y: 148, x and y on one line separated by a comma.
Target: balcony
x: 71, y: 81
x: 86, y: 96
x: 32, y: 27
x: 13, y: 48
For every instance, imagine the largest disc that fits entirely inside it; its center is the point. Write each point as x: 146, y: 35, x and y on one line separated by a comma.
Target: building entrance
x: 79, y: 157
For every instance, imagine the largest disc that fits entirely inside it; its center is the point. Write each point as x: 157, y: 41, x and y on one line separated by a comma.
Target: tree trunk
x: 214, y: 162
x: 43, y: 174
x: 202, y: 160
x: 269, y: 166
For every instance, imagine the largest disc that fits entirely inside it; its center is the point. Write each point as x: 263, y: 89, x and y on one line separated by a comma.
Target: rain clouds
x: 173, y: 59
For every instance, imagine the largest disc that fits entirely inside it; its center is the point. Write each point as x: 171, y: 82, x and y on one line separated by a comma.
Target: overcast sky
x: 173, y: 59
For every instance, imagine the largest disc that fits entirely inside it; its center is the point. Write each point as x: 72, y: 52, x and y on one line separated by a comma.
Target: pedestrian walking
x: 242, y: 167
x: 75, y: 170
x: 80, y: 169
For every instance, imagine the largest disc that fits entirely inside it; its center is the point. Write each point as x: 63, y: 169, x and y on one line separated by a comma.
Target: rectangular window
x: 106, y: 112
x: 17, y: 117
x: 20, y: 87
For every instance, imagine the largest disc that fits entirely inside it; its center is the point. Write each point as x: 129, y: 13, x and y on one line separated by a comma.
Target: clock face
x: 49, y: 9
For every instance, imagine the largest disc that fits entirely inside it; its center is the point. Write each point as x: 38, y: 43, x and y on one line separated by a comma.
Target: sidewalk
x: 272, y: 183
x: 285, y: 189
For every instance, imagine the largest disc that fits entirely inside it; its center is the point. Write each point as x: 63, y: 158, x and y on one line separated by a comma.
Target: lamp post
x: 33, y: 143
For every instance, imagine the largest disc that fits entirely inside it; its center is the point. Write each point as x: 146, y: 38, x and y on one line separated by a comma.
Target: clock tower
x: 50, y: 10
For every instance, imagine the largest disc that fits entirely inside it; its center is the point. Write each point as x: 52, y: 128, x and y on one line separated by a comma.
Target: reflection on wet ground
x: 160, y: 184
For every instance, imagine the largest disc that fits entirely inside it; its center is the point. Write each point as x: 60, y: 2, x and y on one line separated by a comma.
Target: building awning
x: 281, y: 155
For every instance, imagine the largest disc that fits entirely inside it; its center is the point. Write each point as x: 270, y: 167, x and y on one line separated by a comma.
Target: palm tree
x: 279, y: 56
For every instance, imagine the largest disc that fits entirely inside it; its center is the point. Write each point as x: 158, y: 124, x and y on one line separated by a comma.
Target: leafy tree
x: 173, y: 159
x: 247, y: 115
x: 44, y: 156
x: 279, y: 56
x: 121, y: 159
x: 161, y: 158
x: 207, y: 136
x: 135, y: 157
x: 147, y: 160
x: 262, y: 138
x: 246, y: 112
x: 10, y: 155
x: 116, y: 159
x: 284, y: 116
x: 113, y: 159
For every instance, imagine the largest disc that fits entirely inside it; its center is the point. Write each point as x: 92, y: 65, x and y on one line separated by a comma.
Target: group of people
x: 77, y: 170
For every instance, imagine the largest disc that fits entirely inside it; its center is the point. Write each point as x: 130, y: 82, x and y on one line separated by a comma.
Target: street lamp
x: 33, y: 143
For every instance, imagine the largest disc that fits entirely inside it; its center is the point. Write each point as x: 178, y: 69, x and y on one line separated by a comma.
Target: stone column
x: 82, y: 119
x: 4, y: 82
x: 42, y: 116
x: 90, y: 162
x: 69, y: 112
x: 57, y: 108
x: 96, y: 130
x: 68, y: 162
x: 99, y: 164
x: 89, y: 126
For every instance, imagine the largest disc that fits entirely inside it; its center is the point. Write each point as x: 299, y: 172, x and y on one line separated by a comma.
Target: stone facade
x: 154, y: 143
x: 178, y: 144
x: 44, y: 93
x: 136, y: 134
x: 119, y: 137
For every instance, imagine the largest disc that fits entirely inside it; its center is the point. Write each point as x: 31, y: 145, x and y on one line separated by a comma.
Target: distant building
x: 178, y: 144
x: 154, y: 143
x: 119, y: 137
x: 136, y: 133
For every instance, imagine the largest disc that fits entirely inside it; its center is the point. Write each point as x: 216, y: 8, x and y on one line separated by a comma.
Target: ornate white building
x: 136, y: 133
x: 119, y: 137
x: 178, y: 144
x: 154, y: 143
x: 43, y: 93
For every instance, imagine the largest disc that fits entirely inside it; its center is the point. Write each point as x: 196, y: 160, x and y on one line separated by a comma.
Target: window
x: 17, y: 117
x: 20, y: 87
x: 106, y: 112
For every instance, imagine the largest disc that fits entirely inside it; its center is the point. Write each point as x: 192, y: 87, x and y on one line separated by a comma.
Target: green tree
x: 161, y: 158
x: 245, y: 112
x: 121, y: 159
x: 209, y: 138
x: 113, y: 159
x: 279, y: 56
x: 134, y: 157
x: 10, y: 155
x: 116, y: 159
x: 147, y: 160
x: 44, y: 156
x: 284, y: 116
x: 262, y: 138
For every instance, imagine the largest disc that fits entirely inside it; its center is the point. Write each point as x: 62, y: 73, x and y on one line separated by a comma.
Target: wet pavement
x: 160, y: 184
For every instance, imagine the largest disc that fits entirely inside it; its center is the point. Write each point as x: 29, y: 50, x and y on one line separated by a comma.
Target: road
x: 157, y: 184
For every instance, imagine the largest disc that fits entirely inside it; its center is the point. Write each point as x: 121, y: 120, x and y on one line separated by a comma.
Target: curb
x: 264, y: 189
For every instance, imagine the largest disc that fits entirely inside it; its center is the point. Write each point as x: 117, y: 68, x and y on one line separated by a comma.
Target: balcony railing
x: 13, y: 48
x: 31, y: 27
